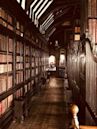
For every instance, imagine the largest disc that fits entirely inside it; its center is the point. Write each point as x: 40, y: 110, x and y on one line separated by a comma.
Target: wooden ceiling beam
x: 52, y: 11
x: 55, y: 7
x: 60, y: 19
x: 58, y: 24
x: 28, y: 3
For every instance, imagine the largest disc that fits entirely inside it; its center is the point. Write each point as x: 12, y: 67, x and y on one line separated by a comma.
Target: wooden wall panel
x: 91, y: 88
x: 93, y: 7
x: 89, y: 8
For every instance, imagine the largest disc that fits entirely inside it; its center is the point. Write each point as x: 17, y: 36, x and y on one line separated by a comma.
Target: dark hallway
x: 48, y: 108
x: 42, y: 39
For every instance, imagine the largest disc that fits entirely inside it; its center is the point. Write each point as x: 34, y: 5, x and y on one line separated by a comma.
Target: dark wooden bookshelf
x: 23, y: 61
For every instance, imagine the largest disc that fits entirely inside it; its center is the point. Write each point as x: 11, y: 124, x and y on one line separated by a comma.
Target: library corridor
x: 48, y: 64
x: 48, y: 108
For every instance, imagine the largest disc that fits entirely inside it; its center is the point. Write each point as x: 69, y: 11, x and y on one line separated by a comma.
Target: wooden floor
x: 48, y: 109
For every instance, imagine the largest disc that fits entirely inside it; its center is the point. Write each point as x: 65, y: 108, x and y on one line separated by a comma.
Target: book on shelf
x: 3, y: 58
x: 3, y: 43
x: 4, y: 105
x: 27, y: 59
x: 3, y: 15
x: 27, y: 65
x: 9, y: 58
x: 27, y: 50
x: 10, y: 99
x: 9, y: 82
x: 19, y: 66
x: 27, y: 74
x: 26, y: 88
x: 19, y: 77
x: 32, y: 59
x: 36, y: 71
x: 32, y: 72
x: 19, y: 58
x: 32, y: 83
x: 36, y: 79
x: 19, y: 48
x: 3, y: 83
x: 32, y: 64
x: 9, y: 67
x: 10, y: 45
x: 3, y: 68
x: 19, y: 93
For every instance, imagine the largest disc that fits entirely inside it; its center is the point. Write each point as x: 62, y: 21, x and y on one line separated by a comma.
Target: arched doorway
x: 52, y: 63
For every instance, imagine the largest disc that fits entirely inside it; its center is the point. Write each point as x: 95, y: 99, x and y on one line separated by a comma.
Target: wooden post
x: 75, y: 122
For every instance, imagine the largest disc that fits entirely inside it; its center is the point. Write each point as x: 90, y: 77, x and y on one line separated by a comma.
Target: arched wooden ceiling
x: 64, y: 14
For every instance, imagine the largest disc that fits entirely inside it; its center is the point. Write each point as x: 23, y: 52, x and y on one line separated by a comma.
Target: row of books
x: 37, y: 71
x: 5, y: 68
x: 33, y: 64
x: 8, y: 21
x: 19, y: 48
x: 27, y: 65
x: 27, y: 50
x: 6, y: 24
x: 33, y: 72
x: 5, y: 16
x: 5, y: 58
x: 27, y: 74
x: 92, y: 8
x: 19, y: 77
x: 10, y: 44
x: 19, y: 59
x: 5, y: 83
x: 3, y: 43
x: 27, y: 59
x: 5, y: 104
x: 18, y: 93
x: 6, y: 44
x: 19, y: 66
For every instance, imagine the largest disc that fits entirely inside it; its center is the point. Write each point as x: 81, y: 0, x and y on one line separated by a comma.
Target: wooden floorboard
x: 48, y: 109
